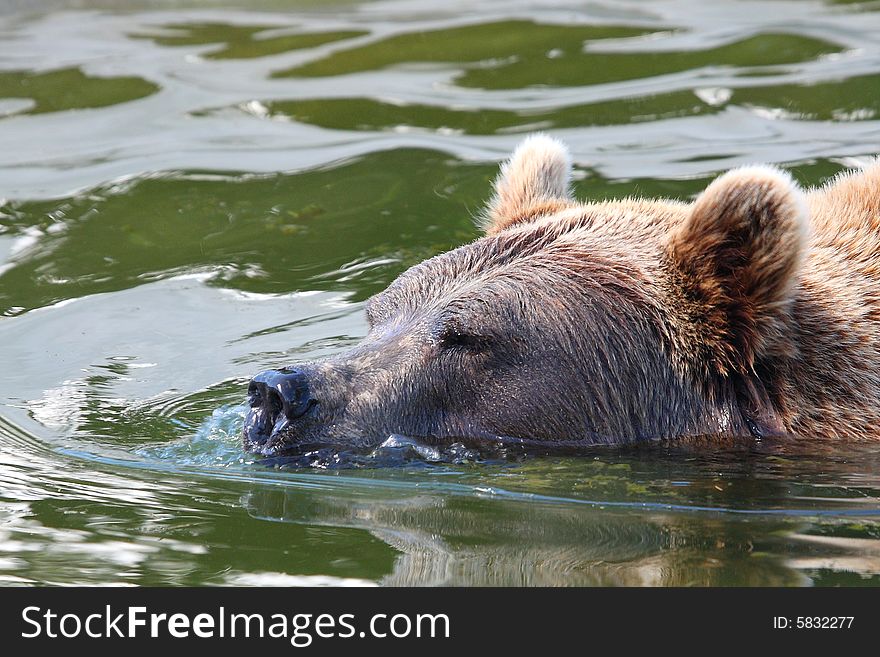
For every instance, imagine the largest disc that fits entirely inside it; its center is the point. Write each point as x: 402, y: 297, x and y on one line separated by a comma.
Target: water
x: 194, y: 193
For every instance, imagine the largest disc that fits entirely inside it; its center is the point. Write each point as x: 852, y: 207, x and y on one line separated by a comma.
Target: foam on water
x: 218, y: 443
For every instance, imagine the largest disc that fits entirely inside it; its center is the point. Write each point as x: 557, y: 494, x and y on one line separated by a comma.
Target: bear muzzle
x: 277, y: 400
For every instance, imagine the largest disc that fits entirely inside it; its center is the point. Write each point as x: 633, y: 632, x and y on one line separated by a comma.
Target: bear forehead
x: 580, y: 247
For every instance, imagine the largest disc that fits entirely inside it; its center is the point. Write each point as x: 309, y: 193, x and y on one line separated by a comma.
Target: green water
x: 191, y: 194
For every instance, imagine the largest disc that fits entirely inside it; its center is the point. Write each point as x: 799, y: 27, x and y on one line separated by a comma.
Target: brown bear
x: 753, y: 311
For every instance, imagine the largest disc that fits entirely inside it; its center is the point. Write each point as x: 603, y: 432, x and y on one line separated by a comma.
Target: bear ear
x: 734, y: 262
x: 532, y: 183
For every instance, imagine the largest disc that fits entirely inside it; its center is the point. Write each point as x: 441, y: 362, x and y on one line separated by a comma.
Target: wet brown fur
x: 761, y: 296
x: 752, y: 311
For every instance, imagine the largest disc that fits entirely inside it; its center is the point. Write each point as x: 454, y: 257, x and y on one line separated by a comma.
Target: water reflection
x: 450, y: 541
x: 69, y: 89
x: 266, y: 234
x: 854, y: 99
x: 242, y: 41
x: 514, y: 55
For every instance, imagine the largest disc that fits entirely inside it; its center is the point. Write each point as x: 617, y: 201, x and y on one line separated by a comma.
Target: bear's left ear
x: 534, y: 182
x: 733, y: 263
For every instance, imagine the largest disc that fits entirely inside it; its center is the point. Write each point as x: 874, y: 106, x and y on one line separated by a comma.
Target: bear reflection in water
x: 441, y: 540
x: 750, y: 312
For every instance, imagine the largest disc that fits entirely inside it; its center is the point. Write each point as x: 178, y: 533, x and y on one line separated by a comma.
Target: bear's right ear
x: 534, y: 182
x: 733, y: 263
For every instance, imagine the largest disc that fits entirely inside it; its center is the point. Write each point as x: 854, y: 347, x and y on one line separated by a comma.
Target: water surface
x: 191, y: 194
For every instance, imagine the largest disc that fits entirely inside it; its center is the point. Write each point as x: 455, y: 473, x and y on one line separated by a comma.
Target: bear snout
x: 277, y: 399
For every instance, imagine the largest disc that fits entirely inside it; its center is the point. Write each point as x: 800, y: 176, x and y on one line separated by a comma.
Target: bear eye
x: 454, y: 337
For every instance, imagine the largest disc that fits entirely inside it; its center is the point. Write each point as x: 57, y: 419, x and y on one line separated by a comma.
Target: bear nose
x: 283, y: 394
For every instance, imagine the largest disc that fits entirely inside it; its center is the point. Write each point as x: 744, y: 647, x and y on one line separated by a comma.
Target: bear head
x: 566, y: 323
